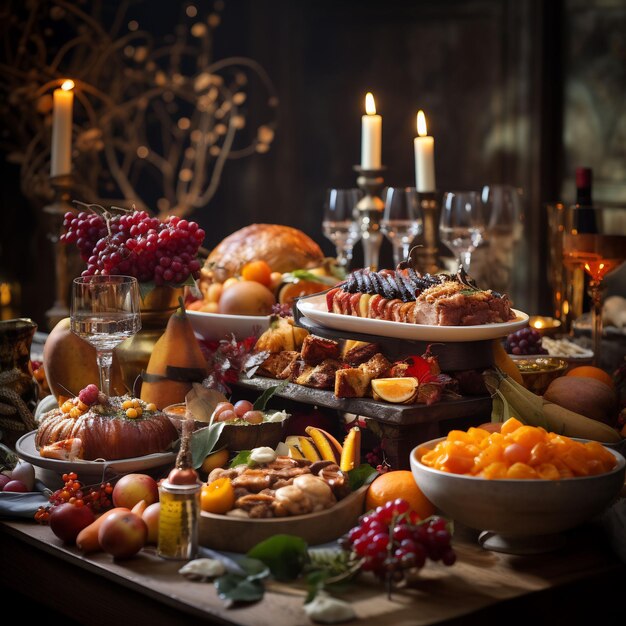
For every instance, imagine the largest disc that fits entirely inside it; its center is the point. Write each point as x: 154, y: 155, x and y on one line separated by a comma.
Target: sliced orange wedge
x: 397, y: 390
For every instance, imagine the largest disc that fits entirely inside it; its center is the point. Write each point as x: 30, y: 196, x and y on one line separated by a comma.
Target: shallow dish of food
x: 233, y: 534
x: 315, y: 308
x: 272, y: 494
x: 257, y: 428
x: 520, y: 515
x: 215, y: 326
x: 96, y: 470
x: 539, y: 371
x: 568, y: 350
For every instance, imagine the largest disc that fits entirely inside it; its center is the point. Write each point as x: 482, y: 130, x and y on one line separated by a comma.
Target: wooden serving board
x: 399, y: 414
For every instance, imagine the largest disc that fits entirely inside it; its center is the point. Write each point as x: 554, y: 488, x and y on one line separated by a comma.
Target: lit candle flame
x: 370, y: 105
x: 538, y: 324
x: 421, y: 124
x: 67, y: 85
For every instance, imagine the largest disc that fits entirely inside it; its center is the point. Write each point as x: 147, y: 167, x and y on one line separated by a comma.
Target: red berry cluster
x: 135, y: 244
x: 392, y: 540
x: 89, y: 395
x: 376, y: 458
x: 97, y: 498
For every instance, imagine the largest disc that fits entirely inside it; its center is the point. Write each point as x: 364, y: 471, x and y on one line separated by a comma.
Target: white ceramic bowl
x: 518, y: 508
x: 215, y: 326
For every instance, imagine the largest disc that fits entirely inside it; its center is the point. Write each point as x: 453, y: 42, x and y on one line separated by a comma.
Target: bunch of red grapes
x: 392, y: 540
x: 135, y: 244
x: 97, y: 498
x: 525, y: 341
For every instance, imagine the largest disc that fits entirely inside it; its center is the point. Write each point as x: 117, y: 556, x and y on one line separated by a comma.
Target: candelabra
x: 369, y: 211
x: 427, y: 256
x: 62, y: 203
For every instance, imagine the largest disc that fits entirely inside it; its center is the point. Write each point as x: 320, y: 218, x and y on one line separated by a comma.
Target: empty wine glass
x: 504, y: 217
x: 339, y: 224
x: 402, y: 220
x: 105, y: 312
x: 462, y: 224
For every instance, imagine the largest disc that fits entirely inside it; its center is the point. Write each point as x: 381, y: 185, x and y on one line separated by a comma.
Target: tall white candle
x: 424, y: 157
x: 371, y: 135
x: 61, y: 152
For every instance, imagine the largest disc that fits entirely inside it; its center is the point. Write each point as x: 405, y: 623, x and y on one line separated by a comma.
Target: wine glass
x: 105, y: 312
x: 402, y: 220
x: 462, y: 224
x: 595, y: 239
x: 339, y: 224
x: 504, y: 218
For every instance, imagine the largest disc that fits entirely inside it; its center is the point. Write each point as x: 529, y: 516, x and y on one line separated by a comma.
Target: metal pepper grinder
x: 368, y: 213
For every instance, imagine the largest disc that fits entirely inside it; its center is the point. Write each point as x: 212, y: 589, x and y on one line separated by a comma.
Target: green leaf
x: 285, y: 555
x: 145, y: 287
x: 242, y: 458
x: 234, y: 588
x: 314, y: 583
x: 362, y: 475
x: 297, y: 275
x: 264, y: 398
x: 203, y: 442
x: 254, y: 569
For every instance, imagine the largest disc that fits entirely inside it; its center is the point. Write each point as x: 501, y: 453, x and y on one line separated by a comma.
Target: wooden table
x: 581, y: 583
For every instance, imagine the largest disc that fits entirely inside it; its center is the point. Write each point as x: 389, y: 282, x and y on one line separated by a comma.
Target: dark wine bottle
x: 585, y: 215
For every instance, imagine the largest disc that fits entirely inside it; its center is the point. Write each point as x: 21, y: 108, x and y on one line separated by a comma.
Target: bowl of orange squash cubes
x: 520, y: 482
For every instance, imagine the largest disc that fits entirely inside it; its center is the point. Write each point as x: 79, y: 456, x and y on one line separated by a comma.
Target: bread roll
x: 284, y: 248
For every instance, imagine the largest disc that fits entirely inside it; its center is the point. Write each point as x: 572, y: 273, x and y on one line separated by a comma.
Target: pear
x: 70, y: 364
x: 175, y: 363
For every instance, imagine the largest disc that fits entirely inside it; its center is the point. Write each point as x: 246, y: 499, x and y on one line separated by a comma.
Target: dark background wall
x: 515, y: 91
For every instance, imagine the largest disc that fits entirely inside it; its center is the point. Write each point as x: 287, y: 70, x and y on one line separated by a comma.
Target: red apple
x: 16, y: 485
x: 4, y: 479
x: 151, y: 517
x: 133, y: 488
x: 122, y: 534
x: 67, y: 520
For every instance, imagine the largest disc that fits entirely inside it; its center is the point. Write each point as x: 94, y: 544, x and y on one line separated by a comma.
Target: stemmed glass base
x: 105, y: 360
x: 595, y: 291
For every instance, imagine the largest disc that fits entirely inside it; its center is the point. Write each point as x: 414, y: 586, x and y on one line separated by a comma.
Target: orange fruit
x: 396, y: 390
x: 218, y: 496
x: 398, y: 484
x: 589, y: 371
x: 258, y: 271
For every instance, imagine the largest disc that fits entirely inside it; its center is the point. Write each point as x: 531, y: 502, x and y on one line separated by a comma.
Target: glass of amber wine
x: 595, y: 239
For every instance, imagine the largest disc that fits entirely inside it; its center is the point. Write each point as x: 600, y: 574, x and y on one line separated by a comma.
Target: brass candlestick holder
x: 427, y: 256
x: 368, y: 213
x: 63, y: 187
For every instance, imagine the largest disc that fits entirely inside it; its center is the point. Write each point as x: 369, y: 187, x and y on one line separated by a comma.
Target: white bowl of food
x: 523, y: 515
x: 216, y: 326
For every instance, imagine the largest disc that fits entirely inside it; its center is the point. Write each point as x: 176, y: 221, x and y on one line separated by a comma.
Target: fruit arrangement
x: 512, y: 399
x: 135, y: 244
x: 127, y: 514
x: 17, y: 477
x: 525, y: 341
x: 322, y: 446
x: 257, y: 290
x: 517, y: 452
x: 392, y: 542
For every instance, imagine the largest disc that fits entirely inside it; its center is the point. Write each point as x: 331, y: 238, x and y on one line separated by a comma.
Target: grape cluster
x: 97, y: 498
x: 525, y: 341
x: 135, y: 244
x: 392, y: 540
x: 376, y: 458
